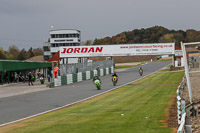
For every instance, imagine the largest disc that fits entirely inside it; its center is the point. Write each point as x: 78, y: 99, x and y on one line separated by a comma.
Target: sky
x: 26, y: 23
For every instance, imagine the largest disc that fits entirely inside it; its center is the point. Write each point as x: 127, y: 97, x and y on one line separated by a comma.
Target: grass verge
x: 143, y: 104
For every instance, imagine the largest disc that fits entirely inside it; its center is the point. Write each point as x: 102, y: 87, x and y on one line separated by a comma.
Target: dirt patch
x: 195, y: 90
x: 196, y: 124
x: 171, y: 118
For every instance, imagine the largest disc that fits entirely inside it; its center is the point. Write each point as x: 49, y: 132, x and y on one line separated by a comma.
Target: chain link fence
x: 86, y: 66
x: 194, y: 73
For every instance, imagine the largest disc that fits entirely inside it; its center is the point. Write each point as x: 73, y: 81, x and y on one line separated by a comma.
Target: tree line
x: 156, y: 34
x: 13, y: 53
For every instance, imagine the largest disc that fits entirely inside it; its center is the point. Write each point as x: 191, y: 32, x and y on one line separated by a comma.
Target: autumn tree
x: 22, y: 55
x: 30, y: 53
x: 13, y: 51
x: 2, y: 54
x: 37, y: 51
x: 192, y: 36
x: 88, y: 42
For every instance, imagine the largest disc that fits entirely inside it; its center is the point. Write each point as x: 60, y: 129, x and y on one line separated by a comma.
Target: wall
x: 78, y: 77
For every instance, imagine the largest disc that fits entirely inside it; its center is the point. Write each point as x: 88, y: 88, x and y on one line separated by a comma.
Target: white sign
x: 117, y: 50
x: 178, y: 53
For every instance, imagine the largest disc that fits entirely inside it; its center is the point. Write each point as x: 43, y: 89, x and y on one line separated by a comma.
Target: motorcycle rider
x: 96, y: 77
x: 141, y: 70
x: 114, y: 74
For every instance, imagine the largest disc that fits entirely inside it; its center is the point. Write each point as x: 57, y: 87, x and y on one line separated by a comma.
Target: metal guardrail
x: 181, y: 110
x: 181, y: 114
x: 181, y: 127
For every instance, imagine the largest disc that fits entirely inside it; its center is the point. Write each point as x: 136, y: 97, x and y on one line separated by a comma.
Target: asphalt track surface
x: 18, y: 107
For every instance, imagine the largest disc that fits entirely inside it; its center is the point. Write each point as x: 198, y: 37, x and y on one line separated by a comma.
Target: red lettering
x: 69, y: 50
x: 77, y: 50
x: 84, y: 50
x: 91, y: 50
x: 64, y: 50
x: 98, y: 49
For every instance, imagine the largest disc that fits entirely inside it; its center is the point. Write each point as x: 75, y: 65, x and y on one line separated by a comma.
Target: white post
x: 186, y: 71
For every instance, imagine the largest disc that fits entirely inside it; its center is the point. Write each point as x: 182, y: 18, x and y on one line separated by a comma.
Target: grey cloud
x: 31, y: 19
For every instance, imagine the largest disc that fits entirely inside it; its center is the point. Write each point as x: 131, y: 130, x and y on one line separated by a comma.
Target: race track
x: 21, y: 106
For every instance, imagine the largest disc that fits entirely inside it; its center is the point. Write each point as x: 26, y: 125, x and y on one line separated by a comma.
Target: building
x: 59, y: 38
x: 46, y: 50
x: 8, y: 69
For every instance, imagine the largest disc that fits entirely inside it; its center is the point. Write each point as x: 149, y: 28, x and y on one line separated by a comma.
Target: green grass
x: 143, y: 104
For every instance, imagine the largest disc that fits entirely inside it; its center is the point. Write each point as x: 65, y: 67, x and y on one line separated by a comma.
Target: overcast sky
x: 26, y: 23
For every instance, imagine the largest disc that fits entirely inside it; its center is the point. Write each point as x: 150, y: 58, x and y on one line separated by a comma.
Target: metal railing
x: 181, y: 110
x: 180, y: 113
x: 86, y: 66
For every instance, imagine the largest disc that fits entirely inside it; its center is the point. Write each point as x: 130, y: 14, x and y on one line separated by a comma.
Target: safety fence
x: 181, y: 108
x: 85, y: 66
x: 66, y: 79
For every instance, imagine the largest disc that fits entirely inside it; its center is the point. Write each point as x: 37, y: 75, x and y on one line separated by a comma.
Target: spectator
x: 48, y: 76
x: 16, y: 77
x: 30, y: 79
x: 56, y: 71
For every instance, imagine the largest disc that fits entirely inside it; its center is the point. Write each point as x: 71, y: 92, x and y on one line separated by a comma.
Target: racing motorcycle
x: 140, y: 72
x: 97, y: 84
x: 114, y: 80
x: 41, y: 80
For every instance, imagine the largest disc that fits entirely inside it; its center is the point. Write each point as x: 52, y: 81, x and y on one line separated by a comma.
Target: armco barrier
x: 87, y: 75
x: 180, y: 115
x: 78, y: 77
x: 69, y: 79
x: 181, y: 109
x: 63, y: 80
x: 104, y: 72
x: 84, y: 76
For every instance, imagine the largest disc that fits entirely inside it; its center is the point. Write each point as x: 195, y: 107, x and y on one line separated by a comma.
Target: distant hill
x: 156, y: 34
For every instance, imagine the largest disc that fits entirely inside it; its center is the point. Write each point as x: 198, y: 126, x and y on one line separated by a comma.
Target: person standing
x: 30, y: 79
x: 16, y: 77
x: 56, y: 71
x: 48, y: 76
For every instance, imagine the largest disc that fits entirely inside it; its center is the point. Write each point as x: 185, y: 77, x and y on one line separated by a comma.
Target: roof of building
x: 177, y: 47
x: 14, y: 65
x: 64, y: 29
x: 55, y: 57
x: 36, y: 58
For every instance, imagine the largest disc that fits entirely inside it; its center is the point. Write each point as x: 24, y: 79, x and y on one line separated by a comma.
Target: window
x: 53, y: 45
x: 61, y: 36
x: 46, y: 57
x: 46, y: 48
x: 52, y: 36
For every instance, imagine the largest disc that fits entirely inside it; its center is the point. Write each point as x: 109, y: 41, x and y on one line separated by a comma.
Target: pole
x: 173, y: 60
x: 186, y: 71
x: 8, y: 77
x: 1, y: 77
